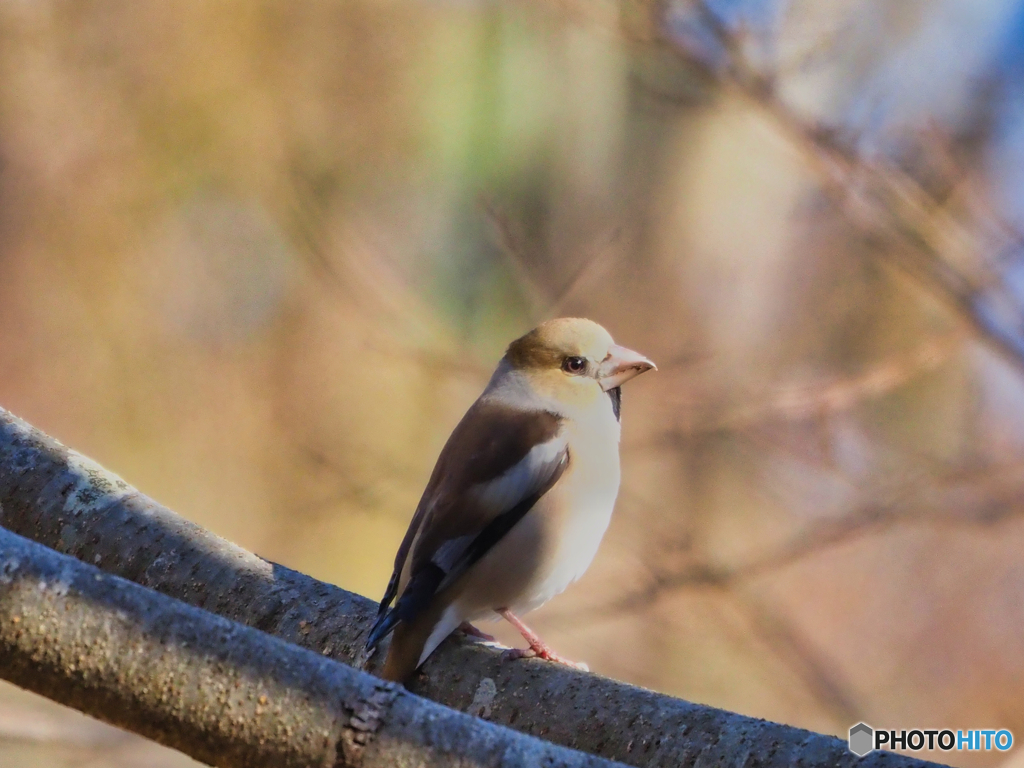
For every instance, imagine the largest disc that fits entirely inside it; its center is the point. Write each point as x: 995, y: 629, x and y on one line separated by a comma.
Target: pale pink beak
x: 620, y: 366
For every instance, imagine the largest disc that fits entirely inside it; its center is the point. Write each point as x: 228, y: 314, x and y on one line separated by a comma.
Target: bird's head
x: 574, y: 361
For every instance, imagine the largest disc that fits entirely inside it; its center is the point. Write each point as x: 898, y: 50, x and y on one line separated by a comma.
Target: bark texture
x: 221, y: 692
x: 58, y: 498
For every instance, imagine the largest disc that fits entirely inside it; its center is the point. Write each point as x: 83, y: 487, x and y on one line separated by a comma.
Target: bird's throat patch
x: 615, y: 394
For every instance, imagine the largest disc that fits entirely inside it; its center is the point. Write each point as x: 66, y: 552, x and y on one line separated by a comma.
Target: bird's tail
x: 382, y: 627
x: 416, y: 597
x: 412, y: 621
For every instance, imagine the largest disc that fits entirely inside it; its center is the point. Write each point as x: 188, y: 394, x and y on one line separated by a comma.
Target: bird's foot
x: 537, y: 646
x: 511, y: 654
x: 468, y: 629
x: 542, y: 653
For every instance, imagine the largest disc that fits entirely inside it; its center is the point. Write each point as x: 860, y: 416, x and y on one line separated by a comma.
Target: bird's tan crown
x: 547, y: 345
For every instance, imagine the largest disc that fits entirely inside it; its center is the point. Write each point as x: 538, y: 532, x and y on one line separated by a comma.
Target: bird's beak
x: 620, y: 366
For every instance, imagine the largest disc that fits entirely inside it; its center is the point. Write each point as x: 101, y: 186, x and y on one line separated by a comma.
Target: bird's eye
x: 574, y: 365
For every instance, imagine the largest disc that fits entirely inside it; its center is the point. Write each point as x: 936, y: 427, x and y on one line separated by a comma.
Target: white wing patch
x: 533, y: 471
x: 450, y: 619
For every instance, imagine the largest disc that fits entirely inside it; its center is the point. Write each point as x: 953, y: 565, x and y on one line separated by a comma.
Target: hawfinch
x: 519, y: 499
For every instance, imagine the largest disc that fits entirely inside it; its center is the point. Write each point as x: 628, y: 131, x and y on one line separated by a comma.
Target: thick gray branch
x: 58, y: 498
x: 221, y: 692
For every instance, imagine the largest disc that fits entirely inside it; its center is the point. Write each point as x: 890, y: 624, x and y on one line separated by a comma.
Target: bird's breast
x: 570, y: 521
x: 555, y: 542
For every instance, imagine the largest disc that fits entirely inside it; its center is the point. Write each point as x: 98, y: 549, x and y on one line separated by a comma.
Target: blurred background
x: 259, y: 257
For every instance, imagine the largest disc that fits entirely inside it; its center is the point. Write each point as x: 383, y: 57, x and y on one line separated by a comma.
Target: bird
x: 519, y: 499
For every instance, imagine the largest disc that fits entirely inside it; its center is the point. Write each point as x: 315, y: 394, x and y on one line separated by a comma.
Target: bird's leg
x: 468, y: 629
x: 537, y: 646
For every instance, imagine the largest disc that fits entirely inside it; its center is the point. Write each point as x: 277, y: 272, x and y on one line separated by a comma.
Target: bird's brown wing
x: 495, y: 466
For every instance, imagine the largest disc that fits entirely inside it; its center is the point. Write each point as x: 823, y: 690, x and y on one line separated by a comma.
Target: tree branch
x: 223, y: 693
x: 63, y: 500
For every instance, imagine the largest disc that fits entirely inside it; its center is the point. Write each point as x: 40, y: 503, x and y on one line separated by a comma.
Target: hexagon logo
x: 862, y: 739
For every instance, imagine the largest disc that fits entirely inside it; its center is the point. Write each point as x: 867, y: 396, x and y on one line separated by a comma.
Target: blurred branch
x: 981, y: 498
x: 355, y: 266
x: 912, y: 227
x: 819, y: 674
x: 813, y: 53
x: 63, y: 500
x: 145, y: 662
x: 814, y: 399
x: 357, y: 492
x: 513, y: 246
